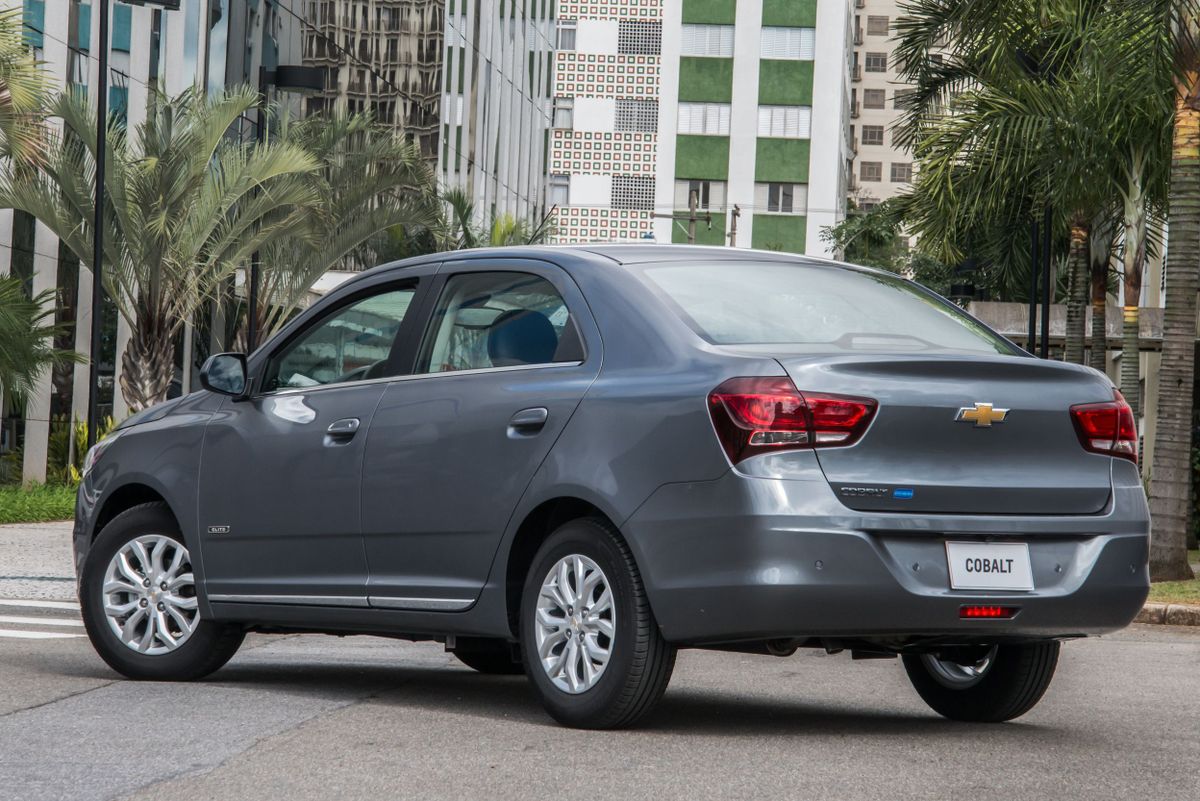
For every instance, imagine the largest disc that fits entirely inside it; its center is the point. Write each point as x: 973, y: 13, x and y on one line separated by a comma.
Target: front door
x: 280, y: 472
x: 501, y: 368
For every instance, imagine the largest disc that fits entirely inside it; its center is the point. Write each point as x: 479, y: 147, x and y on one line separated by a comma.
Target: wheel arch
x: 125, y: 497
x: 535, y: 528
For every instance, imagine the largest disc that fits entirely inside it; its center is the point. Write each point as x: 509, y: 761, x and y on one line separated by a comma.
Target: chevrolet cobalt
x: 571, y: 462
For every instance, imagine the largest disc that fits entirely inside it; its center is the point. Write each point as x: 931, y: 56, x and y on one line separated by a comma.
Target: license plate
x: 989, y: 566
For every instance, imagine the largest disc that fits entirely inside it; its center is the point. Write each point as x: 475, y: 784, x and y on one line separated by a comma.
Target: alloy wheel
x: 955, y: 675
x: 149, y: 595
x: 575, y: 624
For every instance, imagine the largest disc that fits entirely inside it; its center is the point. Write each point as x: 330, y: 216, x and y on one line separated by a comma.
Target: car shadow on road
x: 459, y: 691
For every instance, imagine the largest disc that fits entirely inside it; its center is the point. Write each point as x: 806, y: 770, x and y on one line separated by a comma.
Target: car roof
x: 630, y: 253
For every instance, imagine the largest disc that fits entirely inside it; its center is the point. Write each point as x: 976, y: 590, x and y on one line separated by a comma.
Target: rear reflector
x: 760, y: 415
x: 1107, y: 428
x: 987, y: 612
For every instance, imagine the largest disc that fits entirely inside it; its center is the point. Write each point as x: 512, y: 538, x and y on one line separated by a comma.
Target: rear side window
x: 764, y: 303
x: 498, y: 319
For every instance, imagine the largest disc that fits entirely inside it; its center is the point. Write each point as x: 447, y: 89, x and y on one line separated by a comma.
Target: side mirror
x: 225, y: 373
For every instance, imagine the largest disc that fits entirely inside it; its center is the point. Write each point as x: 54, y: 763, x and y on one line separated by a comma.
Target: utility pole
x: 98, y: 229
x: 693, y: 198
x: 737, y: 212
x: 1034, y: 267
x: 1047, y: 283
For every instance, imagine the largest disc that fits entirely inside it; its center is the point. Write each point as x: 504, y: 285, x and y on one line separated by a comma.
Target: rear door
x: 506, y: 357
x: 280, y: 472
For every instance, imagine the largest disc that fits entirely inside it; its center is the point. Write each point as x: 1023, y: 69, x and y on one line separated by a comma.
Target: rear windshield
x: 765, y: 303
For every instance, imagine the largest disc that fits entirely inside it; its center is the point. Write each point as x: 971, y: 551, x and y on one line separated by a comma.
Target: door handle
x: 528, y: 421
x: 343, y: 428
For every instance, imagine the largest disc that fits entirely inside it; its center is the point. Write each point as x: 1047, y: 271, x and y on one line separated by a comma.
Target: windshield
x: 764, y: 303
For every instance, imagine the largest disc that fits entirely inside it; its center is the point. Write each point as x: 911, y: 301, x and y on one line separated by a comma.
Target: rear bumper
x: 745, y: 558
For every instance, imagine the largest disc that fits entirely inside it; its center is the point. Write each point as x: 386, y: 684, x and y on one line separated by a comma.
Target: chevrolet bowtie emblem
x: 983, y: 415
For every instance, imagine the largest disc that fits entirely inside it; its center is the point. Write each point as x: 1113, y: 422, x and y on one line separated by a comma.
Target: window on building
x: 901, y: 97
x: 709, y: 194
x: 564, y: 112
x: 791, y: 122
x: 780, y: 198
x: 870, y: 171
x: 875, y: 62
x: 638, y: 37
x: 640, y: 116
x: 560, y: 190
x: 874, y: 98
x: 868, y: 204
x: 566, y: 34
x: 704, y: 118
x: 872, y: 135
x: 708, y: 40
x: 633, y: 192
x: 901, y: 172
x: 877, y: 26
x: 784, y: 43
x: 935, y: 58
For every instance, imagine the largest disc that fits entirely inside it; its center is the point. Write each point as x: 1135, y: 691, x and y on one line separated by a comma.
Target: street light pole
x: 98, y: 227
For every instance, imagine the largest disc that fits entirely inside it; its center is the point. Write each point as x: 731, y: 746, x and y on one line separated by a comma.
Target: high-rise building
x: 467, y: 79
x: 743, y: 105
x: 882, y: 167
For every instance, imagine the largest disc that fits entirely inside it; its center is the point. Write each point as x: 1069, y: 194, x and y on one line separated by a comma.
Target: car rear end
x: 899, y: 476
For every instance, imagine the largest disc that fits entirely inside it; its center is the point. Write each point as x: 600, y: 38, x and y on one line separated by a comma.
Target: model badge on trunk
x: 984, y: 415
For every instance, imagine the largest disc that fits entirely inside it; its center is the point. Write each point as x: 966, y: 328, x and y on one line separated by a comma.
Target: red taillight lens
x: 1107, y: 428
x: 987, y: 612
x: 757, y: 415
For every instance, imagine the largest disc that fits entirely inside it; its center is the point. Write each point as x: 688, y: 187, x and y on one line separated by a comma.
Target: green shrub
x: 37, y: 503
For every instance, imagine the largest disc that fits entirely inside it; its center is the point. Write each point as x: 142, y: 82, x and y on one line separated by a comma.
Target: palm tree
x: 27, y: 332
x: 458, y: 227
x: 1171, y: 473
x: 369, y: 180
x: 186, y: 205
x: 24, y: 90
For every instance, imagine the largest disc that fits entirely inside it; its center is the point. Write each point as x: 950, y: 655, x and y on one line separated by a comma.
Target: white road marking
x: 36, y: 635
x: 40, y: 604
x: 40, y: 621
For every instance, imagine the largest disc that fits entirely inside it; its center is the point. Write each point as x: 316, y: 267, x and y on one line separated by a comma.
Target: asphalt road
x: 310, y: 717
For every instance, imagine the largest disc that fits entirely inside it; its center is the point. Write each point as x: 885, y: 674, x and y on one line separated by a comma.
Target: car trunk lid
x: 941, y: 441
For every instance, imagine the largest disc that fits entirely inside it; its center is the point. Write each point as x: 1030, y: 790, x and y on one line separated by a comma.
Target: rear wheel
x: 491, y: 656
x: 984, y: 685
x: 137, y: 596
x: 591, y: 646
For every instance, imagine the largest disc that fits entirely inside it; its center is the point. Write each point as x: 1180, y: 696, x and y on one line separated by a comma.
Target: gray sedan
x: 571, y: 462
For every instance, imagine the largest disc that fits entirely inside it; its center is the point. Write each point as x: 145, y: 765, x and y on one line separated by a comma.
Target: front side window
x: 352, y: 343
x: 501, y: 319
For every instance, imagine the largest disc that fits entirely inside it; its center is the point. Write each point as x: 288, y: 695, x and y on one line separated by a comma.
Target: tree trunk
x: 1131, y: 359
x: 1171, y: 472
x: 1099, y: 276
x: 1077, y: 293
x: 148, y: 364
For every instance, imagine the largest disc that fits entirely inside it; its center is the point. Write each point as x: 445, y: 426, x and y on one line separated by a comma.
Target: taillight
x: 759, y: 415
x: 1107, y: 427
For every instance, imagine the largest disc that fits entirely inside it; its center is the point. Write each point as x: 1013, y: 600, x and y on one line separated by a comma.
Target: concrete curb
x: 1169, y: 614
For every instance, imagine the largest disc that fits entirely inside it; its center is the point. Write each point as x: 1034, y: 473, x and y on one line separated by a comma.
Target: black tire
x: 210, y: 645
x: 491, y: 656
x: 1011, y: 686
x: 639, y: 667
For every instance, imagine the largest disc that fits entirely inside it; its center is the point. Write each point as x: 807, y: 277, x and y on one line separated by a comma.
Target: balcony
x: 858, y: 37
x: 856, y: 72
x: 854, y: 110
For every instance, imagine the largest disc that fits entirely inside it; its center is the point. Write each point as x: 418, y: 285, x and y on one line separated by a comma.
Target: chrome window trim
x: 414, y: 377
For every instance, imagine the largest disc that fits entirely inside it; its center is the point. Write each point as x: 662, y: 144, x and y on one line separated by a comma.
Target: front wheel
x: 137, y: 596
x: 591, y: 645
x: 984, y: 684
